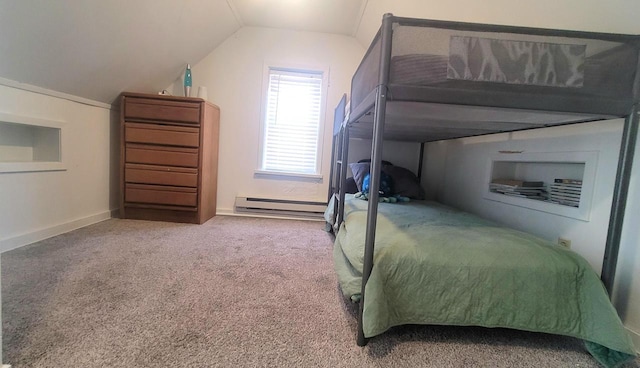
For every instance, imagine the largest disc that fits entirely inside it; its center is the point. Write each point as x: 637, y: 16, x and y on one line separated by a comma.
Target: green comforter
x: 437, y: 265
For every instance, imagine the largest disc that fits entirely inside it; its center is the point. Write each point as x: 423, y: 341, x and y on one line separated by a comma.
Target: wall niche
x: 561, y: 183
x: 30, y: 144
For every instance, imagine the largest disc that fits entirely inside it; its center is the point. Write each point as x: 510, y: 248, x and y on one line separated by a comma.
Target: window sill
x: 262, y: 174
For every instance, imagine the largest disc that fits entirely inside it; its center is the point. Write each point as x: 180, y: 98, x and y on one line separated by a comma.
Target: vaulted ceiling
x: 96, y: 49
x: 329, y: 16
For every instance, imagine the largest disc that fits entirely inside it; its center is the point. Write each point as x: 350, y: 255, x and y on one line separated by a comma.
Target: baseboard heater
x: 280, y: 207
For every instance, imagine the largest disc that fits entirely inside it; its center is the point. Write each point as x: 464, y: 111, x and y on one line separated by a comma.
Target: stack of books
x: 519, y: 188
x: 565, y: 192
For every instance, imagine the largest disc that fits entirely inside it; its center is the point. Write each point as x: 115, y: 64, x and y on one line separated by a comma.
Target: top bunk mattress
x: 577, y: 66
x: 466, y: 64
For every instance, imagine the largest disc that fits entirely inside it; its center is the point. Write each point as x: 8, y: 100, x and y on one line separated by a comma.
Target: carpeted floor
x: 234, y: 292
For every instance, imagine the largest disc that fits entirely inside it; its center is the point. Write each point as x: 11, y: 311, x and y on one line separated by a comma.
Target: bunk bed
x: 424, y: 81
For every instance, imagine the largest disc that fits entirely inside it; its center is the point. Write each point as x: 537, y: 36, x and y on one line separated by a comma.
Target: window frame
x: 290, y: 175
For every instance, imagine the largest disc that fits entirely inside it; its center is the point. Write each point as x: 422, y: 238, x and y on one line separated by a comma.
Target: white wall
x: 37, y: 205
x: 405, y: 154
x: 456, y: 174
x: 462, y: 180
x: 233, y: 75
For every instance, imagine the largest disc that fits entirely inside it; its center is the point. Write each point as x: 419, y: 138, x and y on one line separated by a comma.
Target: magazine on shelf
x: 566, y: 186
x: 555, y: 190
x: 519, y: 188
x: 564, y: 202
x: 518, y: 183
x: 504, y: 188
x: 565, y: 196
x: 568, y: 181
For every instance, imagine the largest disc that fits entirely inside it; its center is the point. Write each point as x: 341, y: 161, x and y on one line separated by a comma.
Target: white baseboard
x: 6, y: 366
x: 635, y: 337
x: 230, y: 212
x: 41, y: 234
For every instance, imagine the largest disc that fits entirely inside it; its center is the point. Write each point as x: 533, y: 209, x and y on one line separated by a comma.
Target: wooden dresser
x: 169, y: 158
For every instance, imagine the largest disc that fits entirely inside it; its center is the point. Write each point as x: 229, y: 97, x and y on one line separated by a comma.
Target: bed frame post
x: 421, y: 160
x: 376, y: 163
x: 620, y: 191
x: 344, y: 156
x: 337, y: 161
x: 332, y: 172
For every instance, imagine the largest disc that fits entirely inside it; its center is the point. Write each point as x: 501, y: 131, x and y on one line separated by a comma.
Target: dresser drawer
x: 162, y: 134
x: 144, y: 108
x: 161, y: 175
x: 158, y: 155
x: 163, y: 195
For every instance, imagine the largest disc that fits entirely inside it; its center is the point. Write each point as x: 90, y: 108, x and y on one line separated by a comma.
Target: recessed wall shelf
x: 545, y: 167
x: 30, y: 144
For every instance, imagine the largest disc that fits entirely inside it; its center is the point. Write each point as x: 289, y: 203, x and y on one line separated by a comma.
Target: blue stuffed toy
x: 385, y: 190
x: 386, y: 185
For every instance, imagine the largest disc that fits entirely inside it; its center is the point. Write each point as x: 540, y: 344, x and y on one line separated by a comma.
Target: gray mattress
x: 436, y: 70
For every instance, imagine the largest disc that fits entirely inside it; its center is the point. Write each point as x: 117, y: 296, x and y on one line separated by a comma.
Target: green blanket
x: 436, y: 265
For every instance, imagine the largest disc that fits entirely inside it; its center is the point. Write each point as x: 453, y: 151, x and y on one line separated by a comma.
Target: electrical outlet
x: 564, y: 242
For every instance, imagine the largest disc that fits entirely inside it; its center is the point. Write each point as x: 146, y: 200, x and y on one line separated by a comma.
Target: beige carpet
x: 234, y: 292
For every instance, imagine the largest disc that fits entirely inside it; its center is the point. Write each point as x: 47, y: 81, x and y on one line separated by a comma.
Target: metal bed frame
x: 377, y: 101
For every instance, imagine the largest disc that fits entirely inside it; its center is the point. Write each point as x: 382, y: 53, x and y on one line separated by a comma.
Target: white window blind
x: 292, y: 122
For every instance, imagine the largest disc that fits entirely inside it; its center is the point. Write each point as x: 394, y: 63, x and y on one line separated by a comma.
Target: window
x: 291, y: 125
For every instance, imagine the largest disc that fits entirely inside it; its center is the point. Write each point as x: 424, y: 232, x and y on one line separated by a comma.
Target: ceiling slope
x: 97, y: 49
x: 326, y: 16
x: 613, y: 16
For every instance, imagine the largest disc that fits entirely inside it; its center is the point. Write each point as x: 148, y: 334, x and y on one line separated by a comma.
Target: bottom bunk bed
x: 437, y: 265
